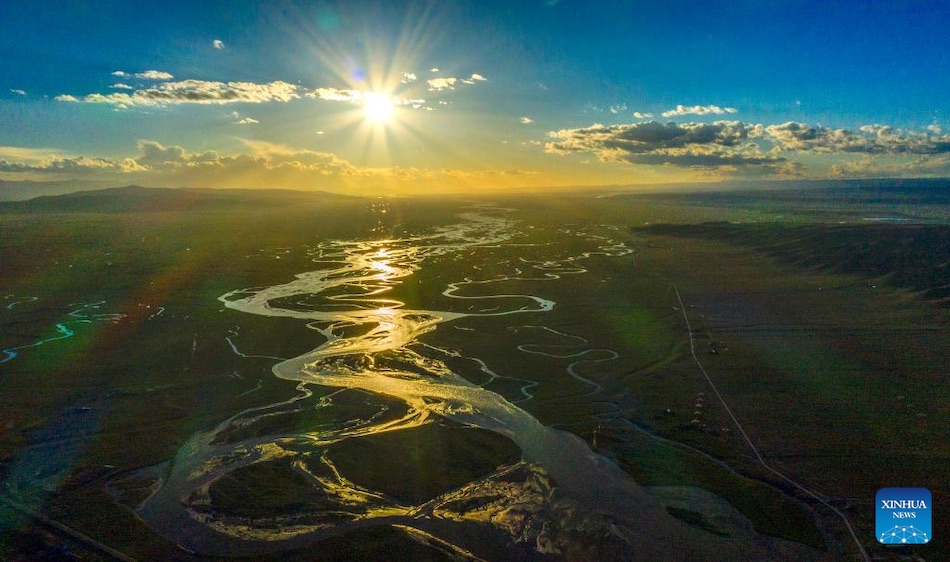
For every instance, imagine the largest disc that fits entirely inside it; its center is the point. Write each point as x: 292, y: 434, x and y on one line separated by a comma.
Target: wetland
x: 568, y: 376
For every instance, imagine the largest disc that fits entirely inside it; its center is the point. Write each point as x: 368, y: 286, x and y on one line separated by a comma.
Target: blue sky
x: 471, y: 95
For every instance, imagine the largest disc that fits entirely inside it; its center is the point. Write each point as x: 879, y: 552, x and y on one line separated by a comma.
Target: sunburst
x: 378, y: 108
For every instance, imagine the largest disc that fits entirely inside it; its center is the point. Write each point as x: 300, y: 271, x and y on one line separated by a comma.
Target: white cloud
x: 526, y: 120
x: 433, y: 70
x: 194, y: 91
x: 699, y: 110
x: 336, y: 94
x: 217, y: 44
x: 153, y: 75
x: 18, y: 91
x: 640, y: 115
x: 436, y: 84
x: 619, y: 108
x: 145, y: 75
x: 934, y: 128
x: 165, y: 93
x: 414, y: 103
x: 408, y: 77
x: 449, y: 83
x: 247, y: 121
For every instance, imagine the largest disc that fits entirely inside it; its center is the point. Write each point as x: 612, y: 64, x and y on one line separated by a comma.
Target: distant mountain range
x: 25, y: 189
x: 917, y: 191
x: 25, y: 196
x: 157, y: 199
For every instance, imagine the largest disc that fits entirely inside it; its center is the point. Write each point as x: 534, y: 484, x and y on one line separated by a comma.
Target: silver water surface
x: 560, y: 498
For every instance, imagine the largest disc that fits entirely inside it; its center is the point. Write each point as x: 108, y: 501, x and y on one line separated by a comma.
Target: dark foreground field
x: 822, y: 333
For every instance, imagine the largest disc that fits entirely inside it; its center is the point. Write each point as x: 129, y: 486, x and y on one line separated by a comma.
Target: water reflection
x: 256, y: 479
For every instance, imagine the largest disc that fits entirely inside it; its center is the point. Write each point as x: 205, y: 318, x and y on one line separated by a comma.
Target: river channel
x: 374, y: 378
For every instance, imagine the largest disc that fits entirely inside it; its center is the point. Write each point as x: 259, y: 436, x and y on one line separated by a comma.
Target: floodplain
x: 192, y: 374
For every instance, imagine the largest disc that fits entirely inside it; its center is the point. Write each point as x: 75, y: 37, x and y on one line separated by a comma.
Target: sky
x: 406, y: 97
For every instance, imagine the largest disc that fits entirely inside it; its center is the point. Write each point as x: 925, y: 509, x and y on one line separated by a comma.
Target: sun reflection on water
x: 371, y: 351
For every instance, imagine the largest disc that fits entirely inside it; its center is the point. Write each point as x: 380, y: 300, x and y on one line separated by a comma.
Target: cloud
x: 261, y: 157
x: 29, y: 154
x: 80, y: 165
x: 868, y: 139
x: 18, y: 91
x: 894, y: 167
x: 449, y: 83
x: 153, y: 75
x: 726, y: 147
x: 474, y: 78
x: 436, y: 84
x: 193, y: 91
x: 619, y: 108
x: 145, y: 75
x: 723, y: 143
x: 165, y: 93
x: 408, y: 77
x: 414, y: 103
x: 217, y: 44
x: 336, y: 94
x: 526, y: 120
x: 247, y: 121
x: 640, y: 115
x: 699, y: 110
x: 358, y: 96
x: 260, y: 164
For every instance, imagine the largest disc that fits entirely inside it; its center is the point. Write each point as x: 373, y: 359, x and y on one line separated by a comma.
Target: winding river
x: 561, y: 500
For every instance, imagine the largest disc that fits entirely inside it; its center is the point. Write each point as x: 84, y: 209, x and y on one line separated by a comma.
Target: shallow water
x: 561, y: 497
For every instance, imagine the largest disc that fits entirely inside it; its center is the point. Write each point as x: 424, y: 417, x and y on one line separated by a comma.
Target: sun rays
x: 378, y: 108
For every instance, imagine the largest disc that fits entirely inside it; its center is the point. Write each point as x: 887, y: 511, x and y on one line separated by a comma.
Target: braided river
x: 371, y: 378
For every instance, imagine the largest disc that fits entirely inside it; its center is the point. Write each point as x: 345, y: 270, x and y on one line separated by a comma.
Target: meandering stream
x: 561, y: 497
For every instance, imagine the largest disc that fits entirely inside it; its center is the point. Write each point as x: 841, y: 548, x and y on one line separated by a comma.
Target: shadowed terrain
x: 611, y: 322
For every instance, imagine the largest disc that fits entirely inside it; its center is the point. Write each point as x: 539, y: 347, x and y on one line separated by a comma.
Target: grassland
x: 828, y: 342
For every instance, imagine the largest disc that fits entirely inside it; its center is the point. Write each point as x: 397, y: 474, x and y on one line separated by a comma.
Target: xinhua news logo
x: 903, y: 516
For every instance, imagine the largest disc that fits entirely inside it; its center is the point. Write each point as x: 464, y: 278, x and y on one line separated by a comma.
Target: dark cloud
x: 869, y: 139
x: 738, y: 144
x: 723, y: 143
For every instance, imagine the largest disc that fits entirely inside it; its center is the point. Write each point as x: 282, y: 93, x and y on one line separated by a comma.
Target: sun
x: 377, y: 108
